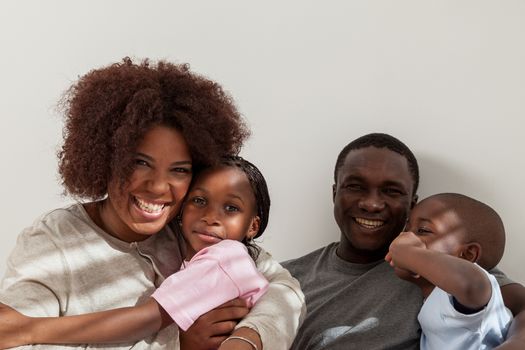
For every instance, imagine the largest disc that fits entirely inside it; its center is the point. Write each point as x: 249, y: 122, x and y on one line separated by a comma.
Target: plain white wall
x: 446, y: 77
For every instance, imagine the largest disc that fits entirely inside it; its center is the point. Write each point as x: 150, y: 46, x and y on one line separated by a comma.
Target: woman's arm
x: 278, y: 314
x: 113, y: 326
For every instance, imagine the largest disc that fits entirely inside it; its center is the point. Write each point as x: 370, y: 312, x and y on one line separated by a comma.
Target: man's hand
x: 209, y: 330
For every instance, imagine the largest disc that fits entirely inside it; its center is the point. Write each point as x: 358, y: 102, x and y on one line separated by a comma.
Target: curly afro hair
x: 108, y: 110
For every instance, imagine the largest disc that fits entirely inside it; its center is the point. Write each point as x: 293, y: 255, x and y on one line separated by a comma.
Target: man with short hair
x: 354, y: 300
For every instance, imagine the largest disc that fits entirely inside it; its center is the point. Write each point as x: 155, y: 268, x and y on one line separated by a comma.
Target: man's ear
x: 254, y: 227
x: 414, y: 201
x: 334, y: 190
x: 470, y: 251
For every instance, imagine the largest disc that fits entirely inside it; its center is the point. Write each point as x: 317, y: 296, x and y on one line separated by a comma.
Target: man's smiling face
x: 372, y: 198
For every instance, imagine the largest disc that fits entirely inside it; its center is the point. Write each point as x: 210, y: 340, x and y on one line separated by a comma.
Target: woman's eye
x: 141, y: 162
x: 181, y: 170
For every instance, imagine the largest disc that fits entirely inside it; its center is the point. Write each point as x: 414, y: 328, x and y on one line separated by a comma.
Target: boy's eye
x: 231, y: 208
x: 423, y: 231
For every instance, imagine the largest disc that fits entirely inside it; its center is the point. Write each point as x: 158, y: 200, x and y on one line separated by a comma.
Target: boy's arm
x: 113, y: 326
x: 458, y: 277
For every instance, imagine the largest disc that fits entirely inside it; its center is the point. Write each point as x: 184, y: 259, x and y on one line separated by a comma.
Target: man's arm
x: 464, y: 280
x: 514, y: 298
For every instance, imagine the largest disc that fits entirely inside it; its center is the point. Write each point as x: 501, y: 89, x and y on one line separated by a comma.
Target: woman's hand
x: 237, y: 344
x: 14, y: 328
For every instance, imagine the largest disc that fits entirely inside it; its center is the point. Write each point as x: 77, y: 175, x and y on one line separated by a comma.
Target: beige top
x: 66, y: 265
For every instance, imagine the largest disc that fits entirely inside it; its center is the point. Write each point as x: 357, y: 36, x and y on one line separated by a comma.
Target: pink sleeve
x: 215, y: 275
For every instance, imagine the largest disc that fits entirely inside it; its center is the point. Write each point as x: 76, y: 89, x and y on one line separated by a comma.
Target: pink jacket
x: 215, y: 275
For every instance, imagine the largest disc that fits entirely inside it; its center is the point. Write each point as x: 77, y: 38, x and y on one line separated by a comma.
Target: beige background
x: 447, y: 77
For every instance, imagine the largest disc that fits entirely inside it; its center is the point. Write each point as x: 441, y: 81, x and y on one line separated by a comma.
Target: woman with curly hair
x: 134, y: 134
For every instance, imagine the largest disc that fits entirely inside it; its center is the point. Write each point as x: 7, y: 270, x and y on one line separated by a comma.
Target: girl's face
x: 220, y: 205
x: 156, y: 188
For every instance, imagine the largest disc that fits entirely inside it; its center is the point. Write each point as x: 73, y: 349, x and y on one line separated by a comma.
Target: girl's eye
x: 199, y: 201
x: 231, y: 208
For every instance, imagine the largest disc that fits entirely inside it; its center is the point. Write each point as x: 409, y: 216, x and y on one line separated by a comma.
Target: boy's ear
x: 470, y: 251
x: 254, y: 227
x: 334, y: 189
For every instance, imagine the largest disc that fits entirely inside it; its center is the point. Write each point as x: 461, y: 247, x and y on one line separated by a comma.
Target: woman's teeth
x: 149, y: 207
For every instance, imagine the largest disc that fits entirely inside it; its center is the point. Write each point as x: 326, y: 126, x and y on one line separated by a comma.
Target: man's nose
x: 372, y: 201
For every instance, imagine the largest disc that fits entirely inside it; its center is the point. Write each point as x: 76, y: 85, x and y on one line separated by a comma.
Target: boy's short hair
x: 482, y: 225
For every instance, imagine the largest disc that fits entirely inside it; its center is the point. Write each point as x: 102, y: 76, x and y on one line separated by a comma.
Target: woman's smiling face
x: 154, y: 193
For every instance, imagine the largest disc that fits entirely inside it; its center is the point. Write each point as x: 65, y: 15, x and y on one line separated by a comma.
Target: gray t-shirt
x: 356, y: 306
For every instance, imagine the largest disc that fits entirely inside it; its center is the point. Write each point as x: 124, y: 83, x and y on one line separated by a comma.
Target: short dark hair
x: 481, y: 223
x: 109, y: 110
x: 380, y: 140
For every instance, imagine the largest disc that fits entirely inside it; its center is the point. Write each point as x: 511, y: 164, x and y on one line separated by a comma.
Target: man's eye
x: 353, y: 187
x: 393, y: 191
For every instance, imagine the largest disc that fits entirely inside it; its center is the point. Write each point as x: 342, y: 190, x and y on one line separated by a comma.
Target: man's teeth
x: 369, y: 223
x: 149, y: 207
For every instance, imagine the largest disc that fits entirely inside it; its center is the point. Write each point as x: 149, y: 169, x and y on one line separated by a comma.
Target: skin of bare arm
x: 124, y: 325
x: 514, y: 298
x: 245, y: 332
x: 113, y: 326
x: 458, y: 277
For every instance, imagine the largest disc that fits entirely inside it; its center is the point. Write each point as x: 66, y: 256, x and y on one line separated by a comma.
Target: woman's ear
x: 470, y: 251
x: 254, y: 227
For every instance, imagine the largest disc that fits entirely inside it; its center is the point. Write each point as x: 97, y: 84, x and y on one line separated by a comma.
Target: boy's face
x: 438, y: 226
